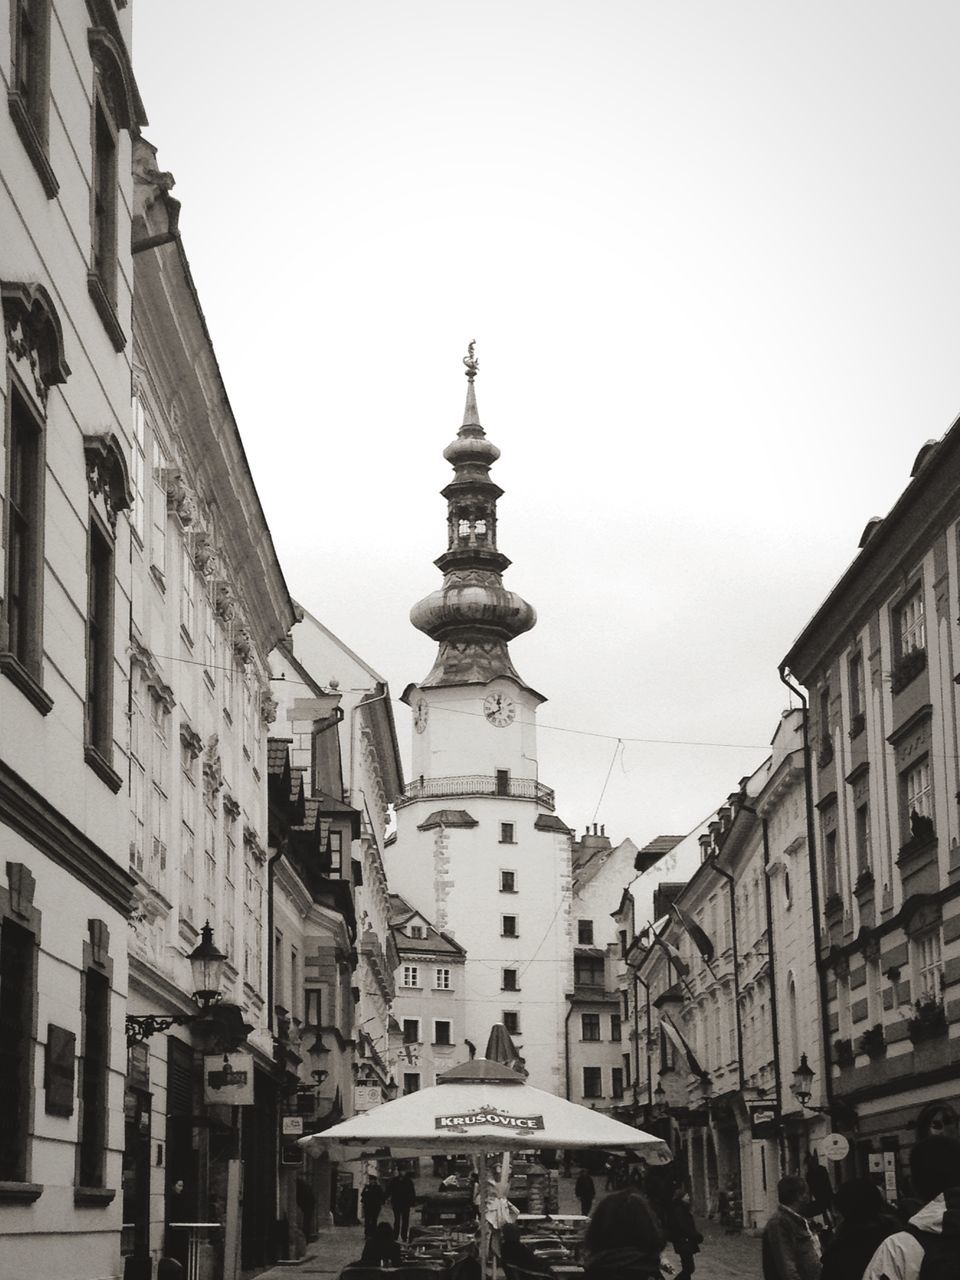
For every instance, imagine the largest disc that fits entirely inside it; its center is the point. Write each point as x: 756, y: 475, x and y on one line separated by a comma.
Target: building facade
x: 429, y: 1005
x: 72, y: 114
x: 878, y: 661
x: 479, y: 848
x: 356, y: 749
x: 597, y: 1048
x: 208, y: 604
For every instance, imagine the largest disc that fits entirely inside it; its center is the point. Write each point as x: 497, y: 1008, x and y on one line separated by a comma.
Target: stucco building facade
x: 71, y: 112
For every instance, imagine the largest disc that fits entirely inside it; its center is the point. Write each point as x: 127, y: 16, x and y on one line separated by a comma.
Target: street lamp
x: 802, y: 1087
x: 206, y: 969
x: 659, y: 1101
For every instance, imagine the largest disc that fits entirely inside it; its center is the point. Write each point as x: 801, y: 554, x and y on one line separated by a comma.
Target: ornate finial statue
x: 471, y: 361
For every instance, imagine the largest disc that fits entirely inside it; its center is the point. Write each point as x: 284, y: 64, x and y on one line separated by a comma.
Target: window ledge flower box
x: 907, y: 668
x: 865, y: 883
x: 872, y: 1042
x: 929, y: 1022
x: 833, y: 907
x: 843, y: 1053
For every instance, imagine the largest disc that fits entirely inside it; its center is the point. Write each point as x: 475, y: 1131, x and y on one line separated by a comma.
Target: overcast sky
x: 710, y: 253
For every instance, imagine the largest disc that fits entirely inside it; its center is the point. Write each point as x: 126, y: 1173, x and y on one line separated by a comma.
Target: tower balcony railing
x: 476, y: 784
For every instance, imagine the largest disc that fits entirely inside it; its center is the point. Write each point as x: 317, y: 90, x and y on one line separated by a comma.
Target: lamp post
x: 802, y: 1087
x: 659, y: 1109
x: 206, y: 968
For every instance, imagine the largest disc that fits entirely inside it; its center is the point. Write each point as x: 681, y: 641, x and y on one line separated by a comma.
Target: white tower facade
x: 479, y: 848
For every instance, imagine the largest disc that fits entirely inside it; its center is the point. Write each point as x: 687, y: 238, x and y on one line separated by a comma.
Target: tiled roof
x: 276, y: 756
x: 447, y: 818
x: 651, y: 853
x: 550, y: 822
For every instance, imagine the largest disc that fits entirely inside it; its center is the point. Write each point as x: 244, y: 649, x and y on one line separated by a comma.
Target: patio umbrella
x: 480, y: 1107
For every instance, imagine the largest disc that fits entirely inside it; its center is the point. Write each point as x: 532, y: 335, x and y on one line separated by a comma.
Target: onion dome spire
x: 472, y: 616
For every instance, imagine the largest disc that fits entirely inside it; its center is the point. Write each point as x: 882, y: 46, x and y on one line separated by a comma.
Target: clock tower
x: 479, y: 848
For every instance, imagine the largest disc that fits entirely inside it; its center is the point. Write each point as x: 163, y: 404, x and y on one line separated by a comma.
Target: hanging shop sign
x: 835, y: 1147
x: 366, y: 1096
x: 291, y: 1126
x: 228, y: 1079
x: 764, y: 1120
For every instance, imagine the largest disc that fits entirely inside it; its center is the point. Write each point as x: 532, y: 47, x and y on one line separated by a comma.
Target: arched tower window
x: 463, y: 528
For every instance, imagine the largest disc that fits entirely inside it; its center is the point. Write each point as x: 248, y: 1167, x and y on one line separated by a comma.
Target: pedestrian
x: 682, y: 1232
x: 610, y: 1168
x: 380, y: 1249
x: 790, y: 1250
x: 623, y: 1240
x: 585, y: 1191
x: 726, y: 1207
x: 517, y: 1260
x: 865, y: 1222
x: 371, y: 1198
x: 932, y: 1238
x: 403, y: 1196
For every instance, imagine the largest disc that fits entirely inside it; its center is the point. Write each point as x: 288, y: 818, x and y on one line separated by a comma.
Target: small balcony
x: 475, y: 784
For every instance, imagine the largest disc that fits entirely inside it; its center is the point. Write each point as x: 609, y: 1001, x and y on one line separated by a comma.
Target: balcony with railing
x: 475, y: 784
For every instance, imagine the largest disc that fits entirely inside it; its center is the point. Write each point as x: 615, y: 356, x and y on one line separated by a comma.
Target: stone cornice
x: 35, y: 819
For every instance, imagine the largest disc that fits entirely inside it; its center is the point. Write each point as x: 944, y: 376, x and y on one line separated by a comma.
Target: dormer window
x: 417, y: 931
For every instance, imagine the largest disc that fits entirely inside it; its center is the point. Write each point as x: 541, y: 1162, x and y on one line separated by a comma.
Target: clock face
x: 499, y: 709
x: 420, y: 713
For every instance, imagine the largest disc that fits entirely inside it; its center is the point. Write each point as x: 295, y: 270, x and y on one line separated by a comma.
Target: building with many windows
x: 598, y: 1061
x: 479, y: 849
x: 72, y: 114
x: 428, y: 1007
x: 207, y: 604
x: 879, y: 662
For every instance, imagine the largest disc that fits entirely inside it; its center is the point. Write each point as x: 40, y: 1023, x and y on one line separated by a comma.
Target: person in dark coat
x: 381, y: 1250
x: 682, y: 1232
x: 623, y: 1240
x: 585, y: 1191
x: 371, y: 1199
x: 403, y: 1196
x: 517, y: 1260
x: 790, y: 1250
x: 865, y: 1224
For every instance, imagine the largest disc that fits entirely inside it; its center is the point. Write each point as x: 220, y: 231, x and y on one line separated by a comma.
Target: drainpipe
x: 726, y: 875
x: 566, y: 1049
x: 814, y: 887
x: 271, y: 864
x: 774, y: 1013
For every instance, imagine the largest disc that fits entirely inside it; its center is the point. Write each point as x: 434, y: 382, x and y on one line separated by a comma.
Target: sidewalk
x: 722, y: 1257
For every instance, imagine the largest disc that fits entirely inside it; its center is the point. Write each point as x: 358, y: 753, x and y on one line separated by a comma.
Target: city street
x: 723, y: 1257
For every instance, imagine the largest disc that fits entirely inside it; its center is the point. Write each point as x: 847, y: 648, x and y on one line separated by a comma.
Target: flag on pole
x: 700, y: 939
x: 681, y: 966
x: 677, y: 1039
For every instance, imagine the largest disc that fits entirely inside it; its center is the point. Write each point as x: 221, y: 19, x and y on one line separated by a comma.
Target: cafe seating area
x: 432, y: 1252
